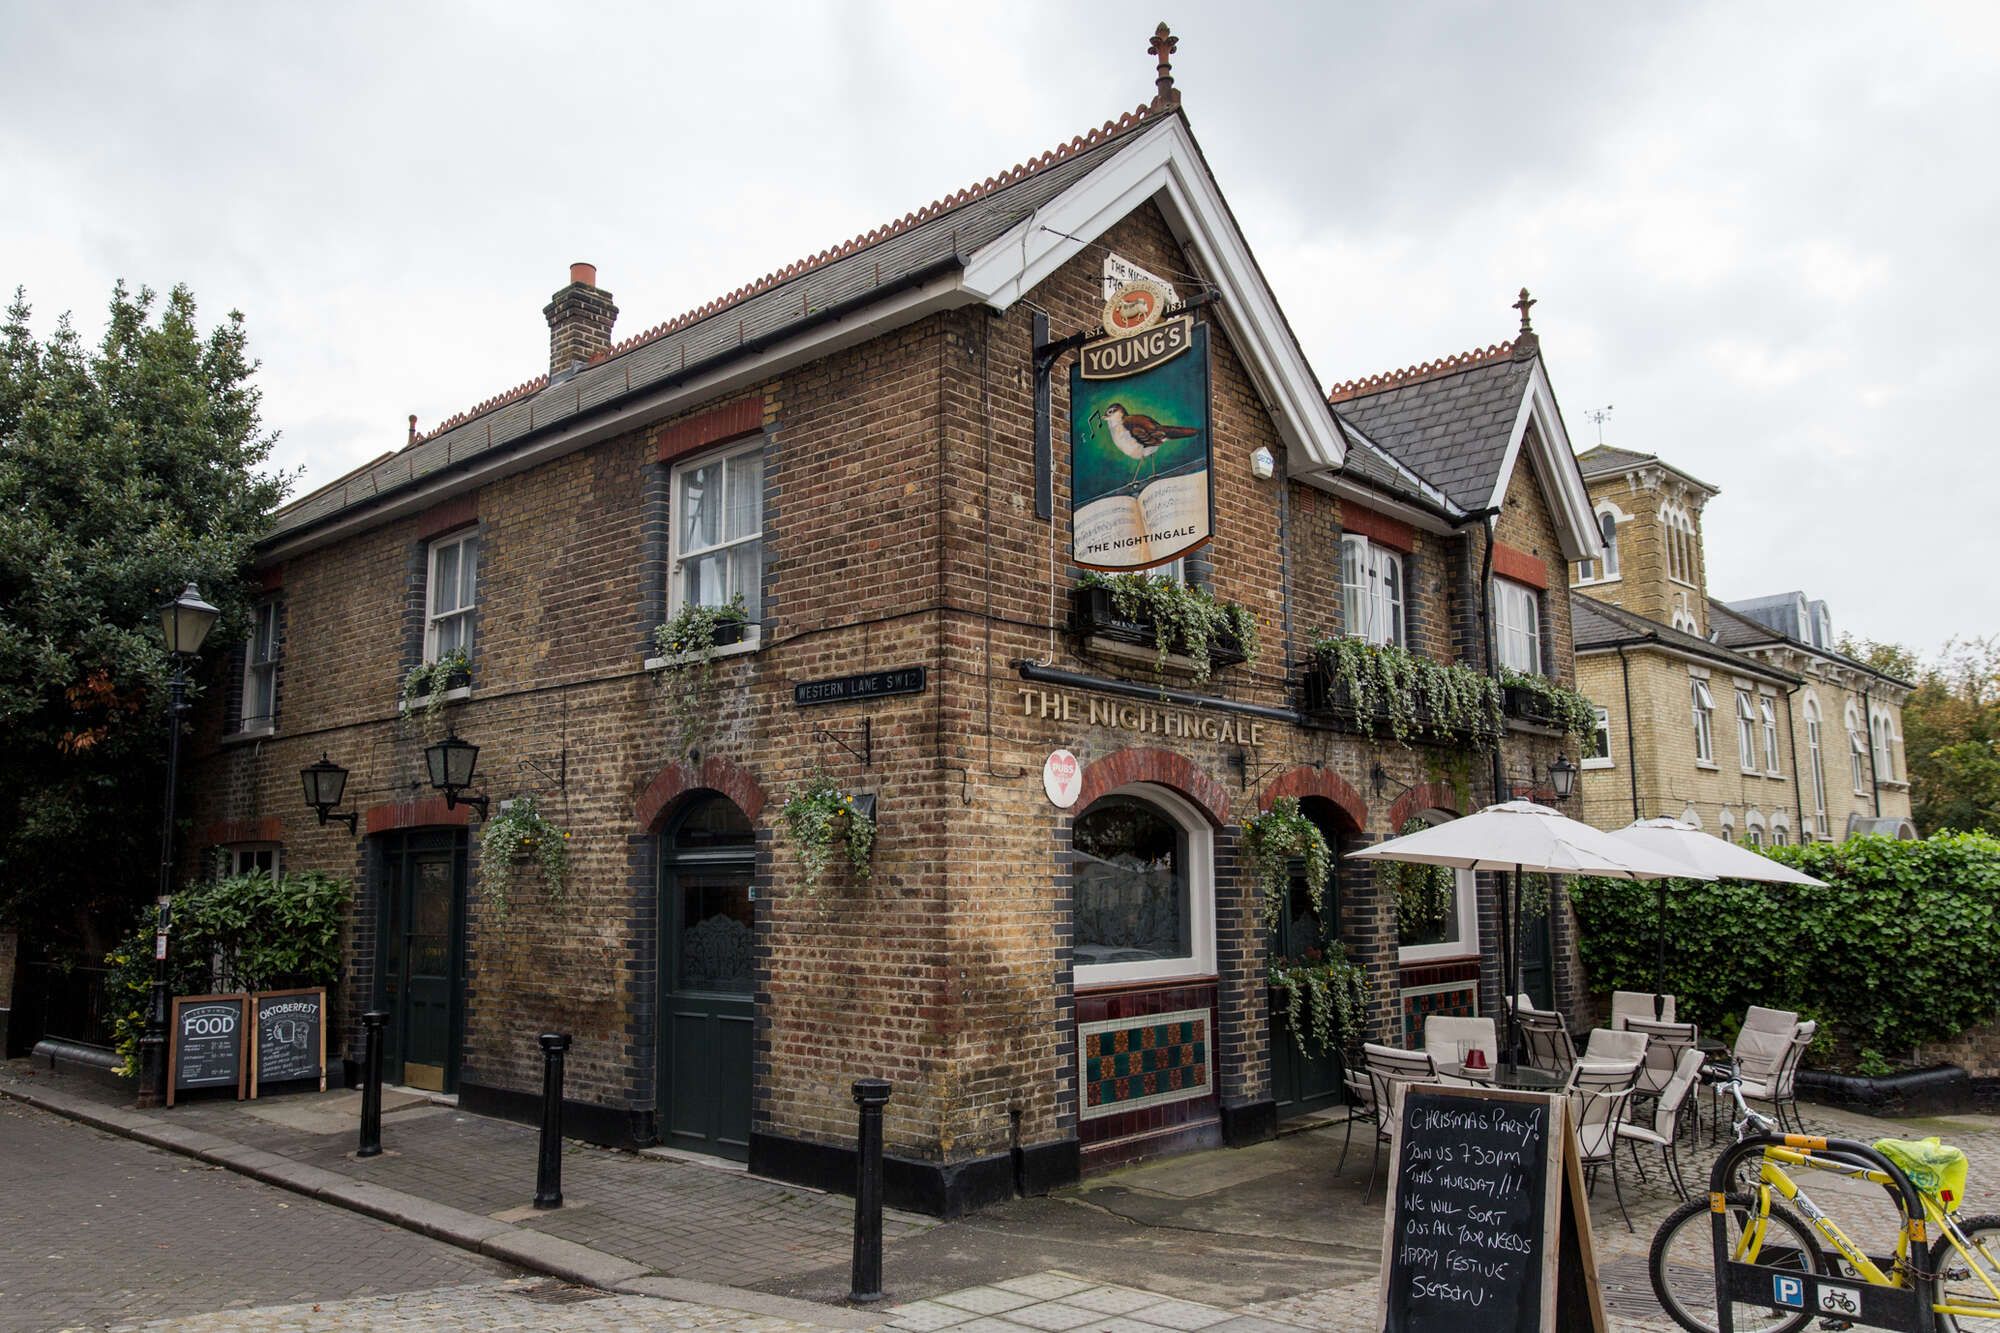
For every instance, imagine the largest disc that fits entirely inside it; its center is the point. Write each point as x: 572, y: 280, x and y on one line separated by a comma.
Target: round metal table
x: 1524, y: 1078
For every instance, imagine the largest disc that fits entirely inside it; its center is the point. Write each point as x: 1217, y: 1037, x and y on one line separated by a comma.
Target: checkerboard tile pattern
x: 1128, y: 1065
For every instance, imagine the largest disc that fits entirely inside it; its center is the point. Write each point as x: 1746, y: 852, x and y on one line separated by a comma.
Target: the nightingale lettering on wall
x: 1146, y: 719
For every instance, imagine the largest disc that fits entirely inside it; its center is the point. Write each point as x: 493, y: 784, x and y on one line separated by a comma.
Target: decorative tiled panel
x: 1456, y: 999
x: 1124, y: 1065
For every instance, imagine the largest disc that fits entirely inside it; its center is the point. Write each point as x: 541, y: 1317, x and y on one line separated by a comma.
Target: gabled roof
x: 1604, y: 460
x: 1736, y: 630
x: 1601, y: 626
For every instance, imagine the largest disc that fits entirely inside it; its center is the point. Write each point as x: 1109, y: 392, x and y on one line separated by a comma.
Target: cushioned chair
x: 1614, y: 1044
x: 1546, y: 1037
x: 1600, y: 1099
x: 1664, y: 1131
x: 1360, y: 1106
x: 1445, y: 1039
x: 1780, y: 1089
x: 1390, y: 1070
x: 1630, y: 1004
x: 1761, y: 1045
x: 1664, y: 1044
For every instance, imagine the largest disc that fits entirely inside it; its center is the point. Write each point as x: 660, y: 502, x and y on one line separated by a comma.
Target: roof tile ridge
x: 1020, y: 171
x: 497, y: 401
x: 1423, y: 370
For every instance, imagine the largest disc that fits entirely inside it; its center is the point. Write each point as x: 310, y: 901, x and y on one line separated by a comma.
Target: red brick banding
x: 745, y: 416
x: 442, y: 518
x: 1511, y: 562
x: 425, y: 813
x: 224, y: 831
x: 1163, y: 768
x: 678, y: 780
x: 1424, y: 796
x: 1380, y: 528
x: 1305, y: 780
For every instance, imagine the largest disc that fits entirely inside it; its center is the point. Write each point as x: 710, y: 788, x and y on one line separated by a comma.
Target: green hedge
x: 1900, y: 948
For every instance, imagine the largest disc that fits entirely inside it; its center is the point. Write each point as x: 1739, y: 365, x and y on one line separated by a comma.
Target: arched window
x: 1605, y: 569
x: 1753, y: 829
x: 1781, y: 829
x: 1885, y: 747
x: 1143, y: 881
x: 1678, y: 529
x: 1818, y: 762
x: 1691, y: 816
x: 1728, y: 826
x: 1857, y: 750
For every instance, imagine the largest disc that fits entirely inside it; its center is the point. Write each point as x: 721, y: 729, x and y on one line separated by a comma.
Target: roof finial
x: 1163, y: 45
x: 1526, y: 344
x: 413, y: 428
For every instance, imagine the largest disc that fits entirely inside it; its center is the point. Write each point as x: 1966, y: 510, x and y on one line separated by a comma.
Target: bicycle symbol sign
x: 1839, y: 1300
x: 1788, y: 1291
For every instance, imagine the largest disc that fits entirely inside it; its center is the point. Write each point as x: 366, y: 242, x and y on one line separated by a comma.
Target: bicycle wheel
x: 1959, y: 1285
x: 1682, y: 1265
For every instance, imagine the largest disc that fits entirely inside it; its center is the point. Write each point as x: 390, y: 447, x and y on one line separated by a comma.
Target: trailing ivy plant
x: 1271, y: 842
x: 1187, y: 619
x: 1409, y: 690
x: 521, y: 832
x: 427, y: 682
x: 688, y: 643
x: 819, y: 818
x: 1569, y: 709
x: 1326, y: 1000
x: 1424, y: 895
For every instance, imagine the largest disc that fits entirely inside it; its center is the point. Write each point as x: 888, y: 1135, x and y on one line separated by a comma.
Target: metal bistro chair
x: 1614, y: 1044
x: 1546, y: 1037
x: 1390, y: 1070
x: 1665, y: 1131
x: 1664, y: 1044
x: 1600, y: 1095
x: 1781, y: 1087
x: 1361, y: 1106
x: 1762, y: 1044
x: 1446, y: 1036
x: 1627, y: 1005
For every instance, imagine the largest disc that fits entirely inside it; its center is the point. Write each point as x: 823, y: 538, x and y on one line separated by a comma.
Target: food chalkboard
x: 1486, y: 1226
x: 290, y: 1031
x: 207, y: 1043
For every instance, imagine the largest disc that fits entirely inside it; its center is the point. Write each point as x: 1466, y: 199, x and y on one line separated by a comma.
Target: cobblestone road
x: 96, y: 1229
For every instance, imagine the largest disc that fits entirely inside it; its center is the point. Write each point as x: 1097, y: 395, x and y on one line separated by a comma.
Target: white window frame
x: 241, y: 857
x: 1857, y: 751
x: 1602, y: 729
x: 1753, y: 829
x: 1882, y: 736
x: 1746, y: 731
x: 1603, y: 569
x: 260, y: 670
x: 1680, y: 543
x: 1728, y: 825
x: 1690, y: 815
x: 1767, y: 709
x: 1517, y: 625
x: 1374, y: 611
x: 1465, y: 905
x: 678, y: 557
x: 463, y: 541
x: 1781, y: 829
x: 1201, y: 899
x: 1813, y: 748
x: 1702, y: 702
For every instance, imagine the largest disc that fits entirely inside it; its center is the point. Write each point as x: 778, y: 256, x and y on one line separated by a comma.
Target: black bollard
x: 371, y: 1085
x: 871, y: 1095
x: 548, y: 1169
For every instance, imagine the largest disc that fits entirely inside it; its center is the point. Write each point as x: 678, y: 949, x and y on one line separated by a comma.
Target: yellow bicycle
x: 1743, y: 1261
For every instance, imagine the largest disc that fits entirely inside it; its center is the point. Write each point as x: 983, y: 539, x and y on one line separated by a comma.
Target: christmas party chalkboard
x: 1487, y: 1227
x: 207, y: 1041
x: 290, y: 1036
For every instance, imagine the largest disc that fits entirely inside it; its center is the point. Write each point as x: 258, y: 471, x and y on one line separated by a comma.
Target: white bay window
x: 1517, y: 616
x: 1371, y: 578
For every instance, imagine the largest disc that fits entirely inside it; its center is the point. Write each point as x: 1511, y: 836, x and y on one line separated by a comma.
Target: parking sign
x: 1788, y: 1291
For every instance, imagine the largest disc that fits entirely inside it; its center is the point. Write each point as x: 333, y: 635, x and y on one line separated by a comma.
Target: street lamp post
x: 185, y: 621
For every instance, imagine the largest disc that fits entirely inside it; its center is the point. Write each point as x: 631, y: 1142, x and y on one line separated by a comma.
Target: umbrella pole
x: 1507, y: 953
x: 1660, y: 962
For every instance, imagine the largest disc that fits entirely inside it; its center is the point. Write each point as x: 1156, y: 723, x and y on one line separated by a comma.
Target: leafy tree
x: 1951, y: 730
x: 125, y: 472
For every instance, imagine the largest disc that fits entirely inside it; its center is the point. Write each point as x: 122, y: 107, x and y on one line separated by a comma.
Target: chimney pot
x: 580, y: 317
x: 583, y: 273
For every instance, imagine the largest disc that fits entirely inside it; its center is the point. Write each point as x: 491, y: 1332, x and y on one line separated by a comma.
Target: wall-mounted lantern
x: 325, y: 782
x: 1562, y: 776
x: 452, y: 763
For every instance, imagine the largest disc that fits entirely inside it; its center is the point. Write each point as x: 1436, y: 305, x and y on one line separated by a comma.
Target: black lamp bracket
x: 559, y: 779
x: 1240, y: 761
x: 866, y: 754
x: 453, y: 799
x: 349, y: 818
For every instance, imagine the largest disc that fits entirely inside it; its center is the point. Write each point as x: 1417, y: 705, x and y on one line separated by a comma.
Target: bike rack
x: 1903, y: 1308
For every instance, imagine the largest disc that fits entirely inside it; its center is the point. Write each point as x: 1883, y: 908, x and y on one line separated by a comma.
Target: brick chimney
x: 580, y: 318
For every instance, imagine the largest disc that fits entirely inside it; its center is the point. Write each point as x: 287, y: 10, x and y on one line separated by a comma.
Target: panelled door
x: 421, y: 953
x: 708, y: 981
x: 1538, y: 957
x: 1303, y: 1081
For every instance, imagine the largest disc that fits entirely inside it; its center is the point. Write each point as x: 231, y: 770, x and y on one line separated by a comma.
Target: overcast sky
x: 1764, y: 233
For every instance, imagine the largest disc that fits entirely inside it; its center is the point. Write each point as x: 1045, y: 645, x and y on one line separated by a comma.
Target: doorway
x: 1538, y: 948
x: 708, y: 1007
x: 1304, y: 1081
x: 421, y: 947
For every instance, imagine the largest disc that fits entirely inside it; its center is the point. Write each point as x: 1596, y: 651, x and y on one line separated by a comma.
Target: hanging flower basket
x: 511, y: 840
x: 819, y: 820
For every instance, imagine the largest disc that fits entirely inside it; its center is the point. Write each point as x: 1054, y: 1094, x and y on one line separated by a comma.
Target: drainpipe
x: 1631, y: 736
x: 1868, y: 721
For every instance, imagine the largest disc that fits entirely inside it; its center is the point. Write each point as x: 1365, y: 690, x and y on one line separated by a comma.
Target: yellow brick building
x: 1741, y: 718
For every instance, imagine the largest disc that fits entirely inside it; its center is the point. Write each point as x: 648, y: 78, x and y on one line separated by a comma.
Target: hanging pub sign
x: 1139, y: 442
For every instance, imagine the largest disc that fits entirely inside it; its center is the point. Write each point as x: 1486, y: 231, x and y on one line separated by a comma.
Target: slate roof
x: 1604, y: 459
x: 1736, y: 630
x: 1449, y: 422
x: 1595, y: 624
x: 910, y: 249
x: 1367, y: 462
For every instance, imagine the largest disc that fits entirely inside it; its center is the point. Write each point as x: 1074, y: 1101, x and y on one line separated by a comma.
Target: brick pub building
x: 849, y: 444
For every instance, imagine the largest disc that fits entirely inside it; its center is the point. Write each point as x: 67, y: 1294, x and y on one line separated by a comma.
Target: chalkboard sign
x: 290, y: 1038
x: 207, y: 1042
x: 1486, y: 1227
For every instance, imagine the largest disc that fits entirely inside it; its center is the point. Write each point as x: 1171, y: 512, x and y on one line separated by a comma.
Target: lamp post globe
x: 186, y: 621
x: 1562, y: 775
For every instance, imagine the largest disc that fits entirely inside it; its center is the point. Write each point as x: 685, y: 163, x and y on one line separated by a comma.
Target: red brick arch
x: 1306, y: 780
x: 679, y: 779
x: 1424, y: 796
x: 1162, y: 767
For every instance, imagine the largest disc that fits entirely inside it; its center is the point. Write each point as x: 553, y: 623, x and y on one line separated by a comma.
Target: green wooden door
x: 422, y: 958
x: 1304, y: 1081
x: 1538, y: 951
x: 708, y: 1000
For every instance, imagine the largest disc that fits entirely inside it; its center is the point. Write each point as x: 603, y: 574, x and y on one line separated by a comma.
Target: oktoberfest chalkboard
x: 1485, y: 1214
x: 290, y: 1034
x: 207, y: 1041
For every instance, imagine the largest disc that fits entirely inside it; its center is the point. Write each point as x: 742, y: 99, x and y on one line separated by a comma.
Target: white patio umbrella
x: 1708, y: 857
x: 1519, y: 836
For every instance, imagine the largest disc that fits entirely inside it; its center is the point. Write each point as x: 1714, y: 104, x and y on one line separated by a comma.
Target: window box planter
x: 1094, y: 616
x: 1328, y: 700
x: 1521, y: 704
